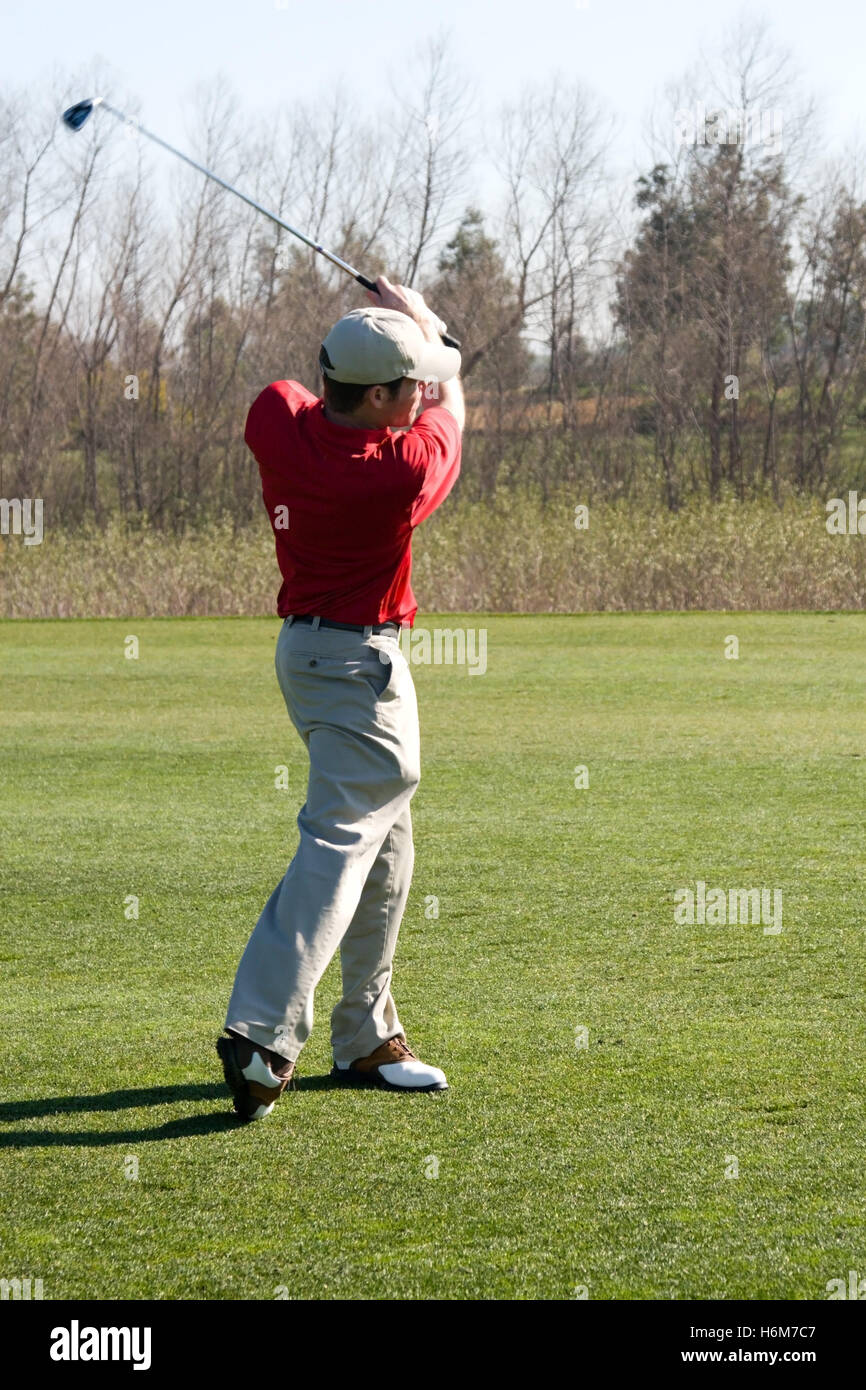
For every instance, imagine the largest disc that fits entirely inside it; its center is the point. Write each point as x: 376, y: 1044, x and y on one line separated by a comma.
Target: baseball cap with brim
x: 370, y: 346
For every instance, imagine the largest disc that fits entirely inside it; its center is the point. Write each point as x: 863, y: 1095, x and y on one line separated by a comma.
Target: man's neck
x: 357, y: 421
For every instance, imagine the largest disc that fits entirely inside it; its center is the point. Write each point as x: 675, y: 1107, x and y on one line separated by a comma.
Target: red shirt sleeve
x: 431, y: 449
x: 271, y: 414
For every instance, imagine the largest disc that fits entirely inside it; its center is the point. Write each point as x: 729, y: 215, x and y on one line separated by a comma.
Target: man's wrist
x: 429, y: 327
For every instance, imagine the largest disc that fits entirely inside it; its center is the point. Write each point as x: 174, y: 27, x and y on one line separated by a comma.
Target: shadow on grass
x: 108, y: 1100
x: 129, y: 1100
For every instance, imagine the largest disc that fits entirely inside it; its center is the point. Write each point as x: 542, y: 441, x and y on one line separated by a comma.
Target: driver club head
x: 75, y: 116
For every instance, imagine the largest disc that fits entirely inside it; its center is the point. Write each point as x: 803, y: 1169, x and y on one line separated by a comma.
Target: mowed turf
x: 549, y: 1170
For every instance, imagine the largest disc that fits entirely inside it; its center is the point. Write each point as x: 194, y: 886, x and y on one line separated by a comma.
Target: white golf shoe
x: 255, y: 1076
x: 392, y: 1067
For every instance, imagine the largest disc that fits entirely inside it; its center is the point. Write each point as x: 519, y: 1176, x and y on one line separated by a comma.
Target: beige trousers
x: 351, y: 697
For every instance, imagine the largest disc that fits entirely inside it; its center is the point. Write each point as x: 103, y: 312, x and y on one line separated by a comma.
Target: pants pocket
x: 380, y: 676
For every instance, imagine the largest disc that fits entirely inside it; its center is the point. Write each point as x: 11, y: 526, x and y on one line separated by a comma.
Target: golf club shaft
x: 209, y: 174
x: 286, y: 226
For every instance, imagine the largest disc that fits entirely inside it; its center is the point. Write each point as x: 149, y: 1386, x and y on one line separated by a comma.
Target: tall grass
x: 515, y: 554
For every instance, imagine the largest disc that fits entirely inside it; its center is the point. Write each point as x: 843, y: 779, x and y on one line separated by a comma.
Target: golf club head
x: 75, y: 116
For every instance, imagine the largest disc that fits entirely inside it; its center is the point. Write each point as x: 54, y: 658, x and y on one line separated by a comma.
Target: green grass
x: 558, y: 1166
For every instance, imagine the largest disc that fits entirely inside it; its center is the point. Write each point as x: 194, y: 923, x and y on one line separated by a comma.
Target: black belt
x: 348, y: 627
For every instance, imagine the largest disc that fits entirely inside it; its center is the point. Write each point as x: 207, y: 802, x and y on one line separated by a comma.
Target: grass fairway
x: 558, y: 1166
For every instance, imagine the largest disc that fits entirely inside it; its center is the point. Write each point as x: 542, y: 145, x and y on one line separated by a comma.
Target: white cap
x: 368, y: 347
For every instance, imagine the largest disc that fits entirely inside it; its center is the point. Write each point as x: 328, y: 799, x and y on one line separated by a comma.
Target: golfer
x: 345, y: 480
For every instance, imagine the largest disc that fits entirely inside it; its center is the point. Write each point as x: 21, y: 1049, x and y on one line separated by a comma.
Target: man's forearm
x: 407, y: 301
x: 451, y: 397
x: 445, y: 393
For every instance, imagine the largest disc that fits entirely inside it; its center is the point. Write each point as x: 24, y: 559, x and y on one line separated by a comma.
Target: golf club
x: 75, y: 116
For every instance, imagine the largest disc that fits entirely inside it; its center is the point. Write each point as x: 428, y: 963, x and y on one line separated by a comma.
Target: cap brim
x: 438, y: 363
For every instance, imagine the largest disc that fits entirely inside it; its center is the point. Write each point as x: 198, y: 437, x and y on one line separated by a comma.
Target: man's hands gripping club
x: 407, y: 301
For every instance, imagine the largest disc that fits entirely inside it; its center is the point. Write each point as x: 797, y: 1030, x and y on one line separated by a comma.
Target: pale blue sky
x: 275, y: 49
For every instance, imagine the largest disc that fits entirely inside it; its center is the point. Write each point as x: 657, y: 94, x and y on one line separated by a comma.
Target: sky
x: 273, y: 50
x: 276, y: 51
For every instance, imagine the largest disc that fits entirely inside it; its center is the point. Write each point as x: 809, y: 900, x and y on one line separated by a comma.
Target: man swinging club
x: 345, y: 480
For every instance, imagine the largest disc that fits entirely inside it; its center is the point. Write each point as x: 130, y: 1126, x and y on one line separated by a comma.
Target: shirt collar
x: 348, y: 433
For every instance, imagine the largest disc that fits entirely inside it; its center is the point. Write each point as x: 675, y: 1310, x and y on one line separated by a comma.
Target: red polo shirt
x: 344, y: 502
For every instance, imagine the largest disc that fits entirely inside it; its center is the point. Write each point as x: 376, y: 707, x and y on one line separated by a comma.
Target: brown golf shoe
x: 255, y: 1076
x: 392, y: 1067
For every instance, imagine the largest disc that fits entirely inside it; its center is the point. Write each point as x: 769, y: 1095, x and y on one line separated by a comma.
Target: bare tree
x: 433, y: 112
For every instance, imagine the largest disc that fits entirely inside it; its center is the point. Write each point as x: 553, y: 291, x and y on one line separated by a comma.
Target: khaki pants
x: 351, y: 697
